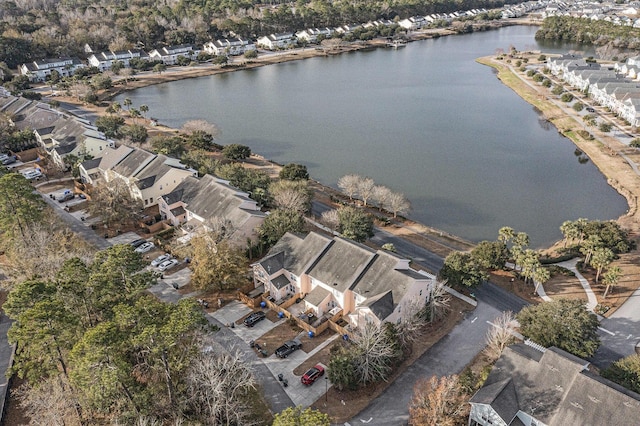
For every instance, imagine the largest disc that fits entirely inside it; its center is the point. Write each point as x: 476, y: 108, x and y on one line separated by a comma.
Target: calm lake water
x: 425, y: 120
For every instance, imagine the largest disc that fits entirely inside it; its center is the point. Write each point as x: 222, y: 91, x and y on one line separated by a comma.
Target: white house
x: 414, y: 23
x: 104, y: 60
x: 228, y: 46
x: 169, y: 54
x: 277, y: 41
x: 310, y: 35
x: 39, y: 70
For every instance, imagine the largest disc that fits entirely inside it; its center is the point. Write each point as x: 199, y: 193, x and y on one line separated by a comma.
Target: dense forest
x: 34, y: 29
x: 586, y: 31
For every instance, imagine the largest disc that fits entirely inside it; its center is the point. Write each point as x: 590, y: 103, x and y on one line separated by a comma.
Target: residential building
x: 310, y: 35
x: 338, y: 275
x: 229, y: 46
x: 206, y: 203
x: 104, y: 60
x: 39, y: 70
x: 277, y: 41
x: 414, y: 23
x: 549, y: 387
x: 169, y: 54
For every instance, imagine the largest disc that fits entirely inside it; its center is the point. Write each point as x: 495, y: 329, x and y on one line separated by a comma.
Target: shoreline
x: 149, y: 78
x: 605, y: 151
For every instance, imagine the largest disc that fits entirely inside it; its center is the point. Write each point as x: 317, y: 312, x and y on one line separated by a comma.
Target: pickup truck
x: 288, y: 347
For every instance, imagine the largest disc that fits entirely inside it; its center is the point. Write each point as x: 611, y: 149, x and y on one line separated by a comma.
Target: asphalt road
x: 449, y: 356
x: 619, y: 333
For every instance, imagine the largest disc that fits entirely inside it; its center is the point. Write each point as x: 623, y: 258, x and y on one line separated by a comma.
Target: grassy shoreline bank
x: 604, y: 151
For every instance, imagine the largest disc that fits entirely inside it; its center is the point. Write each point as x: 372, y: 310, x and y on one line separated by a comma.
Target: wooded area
x: 35, y: 29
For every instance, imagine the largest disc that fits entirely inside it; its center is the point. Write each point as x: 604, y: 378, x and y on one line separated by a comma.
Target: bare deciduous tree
x: 331, y: 218
x: 438, y: 301
x: 438, y: 402
x: 381, y: 195
x: 291, y: 195
x: 365, y: 189
x: 193, y: 126
x: 413, y: 322
x: 374, y: 353
x: 398, y: 203
x: 49, y: 403
x: 44, y: 248
x: 349, y: 185
x: 218, y: 385
x: 112, y: 201
x: 501, y: 334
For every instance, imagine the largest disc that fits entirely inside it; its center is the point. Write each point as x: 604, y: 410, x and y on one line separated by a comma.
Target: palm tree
x: 589, y: 246
x: 601, y: 258
x: 134, y: 113
x: 581, y: 224
x: 570, y: 231
x: 540, y: 276
x: 506, y: 234
x: 610, y: 278
x: 127, y: 103
x: 143, y: 110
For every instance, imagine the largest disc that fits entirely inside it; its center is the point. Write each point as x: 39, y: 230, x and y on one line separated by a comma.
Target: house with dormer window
x: 206, y: 203
x: 169, y: 54
x: 534, y: 386
x: 39, y: 70
x: 330, y: 274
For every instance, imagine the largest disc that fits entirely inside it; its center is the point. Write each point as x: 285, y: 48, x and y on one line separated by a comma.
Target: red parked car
x: 312, y: 375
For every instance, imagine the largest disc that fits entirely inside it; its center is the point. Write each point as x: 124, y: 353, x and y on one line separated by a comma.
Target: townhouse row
x: 39, y: 70
x: 615, y: 87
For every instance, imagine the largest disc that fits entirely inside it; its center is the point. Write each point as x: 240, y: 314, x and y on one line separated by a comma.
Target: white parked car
x: 160, y: 259
x: 167, y: 264
x: 145, y: 247
x: 32, y: 174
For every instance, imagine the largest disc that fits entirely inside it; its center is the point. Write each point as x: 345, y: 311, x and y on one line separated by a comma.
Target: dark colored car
x: 312, y: 374
x: 137, y: 243
x: 288, y: 347
x: 254, y: 318
x: 589, y: 109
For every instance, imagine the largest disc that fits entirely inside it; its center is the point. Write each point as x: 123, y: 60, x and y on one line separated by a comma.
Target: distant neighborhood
x: 613, y: 86
x: 39, y: 70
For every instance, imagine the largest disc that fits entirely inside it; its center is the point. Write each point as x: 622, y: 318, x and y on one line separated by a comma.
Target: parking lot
x: 300, y: 394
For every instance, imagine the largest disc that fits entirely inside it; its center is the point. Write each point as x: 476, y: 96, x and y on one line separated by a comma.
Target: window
x: 150, y: 200
x: 420, y: 292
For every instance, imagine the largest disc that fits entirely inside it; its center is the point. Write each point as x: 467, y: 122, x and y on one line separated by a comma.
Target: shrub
x: 578, y: 106
x: 538, y: 78
x: 566, y: 97
x: 635, y: 143
x: 605, y: 127
x: 558, y: 90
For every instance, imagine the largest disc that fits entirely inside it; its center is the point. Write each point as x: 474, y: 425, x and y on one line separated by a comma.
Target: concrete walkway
x: 591, y: 297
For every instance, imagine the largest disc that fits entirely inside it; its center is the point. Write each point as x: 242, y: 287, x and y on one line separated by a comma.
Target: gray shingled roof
x: 381, y: 305
x: 280, y: 281
x: 209, y: 198
x: 556, y: 389
x: 295, y: 253
x: 133, y: 163
x: 316, y: 296
x: 342, y: 264
x: 91, y: 164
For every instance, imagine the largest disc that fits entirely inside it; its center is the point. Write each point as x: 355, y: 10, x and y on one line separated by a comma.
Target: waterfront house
x: 339, y: 275
x: 277, y: 41
x: 310, y: 35
x: 37, y: 71
x: 228, y: 46
x: 209, y: 203
x: 169, y: 54
x: 104, y: 60
x: 149, y: 175
x: 535, y: 386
